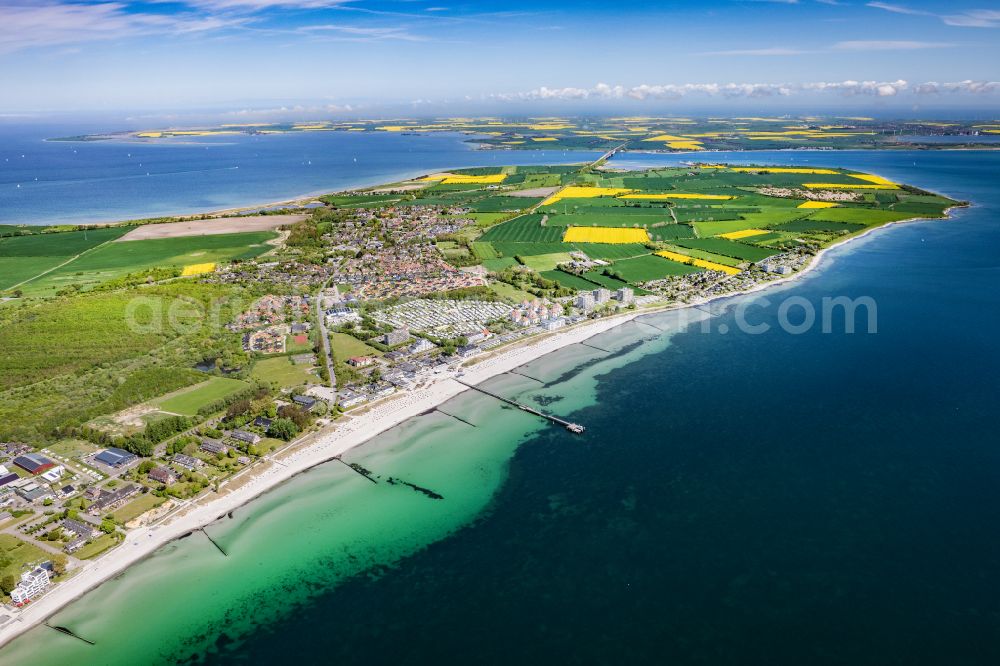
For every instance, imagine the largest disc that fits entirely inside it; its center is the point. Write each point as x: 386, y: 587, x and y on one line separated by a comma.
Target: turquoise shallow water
x: 737, y: 499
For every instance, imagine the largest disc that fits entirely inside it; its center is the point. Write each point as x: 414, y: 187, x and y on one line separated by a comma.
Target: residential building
x: 601, y: 295
x: 188, y: 462
x: 32, y: 584
x: 214, y: 446
x: 163, y: 475
x: 360, y: 361
x: 554, y: 324
x: 262, y: 422
x: 8, y: 478
x: 584, y: 301
x: 421, y: 345
x: 79, y: 528
x: 625, y: 295
x: 350, y: 399
x: 34, y: 463
x: 306, y: 402
x: 113, y: 499
x: 245, y: 437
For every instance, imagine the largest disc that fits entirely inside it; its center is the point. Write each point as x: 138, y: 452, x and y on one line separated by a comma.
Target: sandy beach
x: 335, y: 439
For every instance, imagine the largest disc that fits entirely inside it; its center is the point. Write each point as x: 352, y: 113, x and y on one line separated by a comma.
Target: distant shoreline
x: 303, y: 199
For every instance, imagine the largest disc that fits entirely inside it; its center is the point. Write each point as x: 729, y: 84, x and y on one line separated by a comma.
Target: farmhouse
x: 360, y: 361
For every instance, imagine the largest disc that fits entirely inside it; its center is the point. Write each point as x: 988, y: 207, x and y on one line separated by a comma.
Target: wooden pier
x: 574, y: 428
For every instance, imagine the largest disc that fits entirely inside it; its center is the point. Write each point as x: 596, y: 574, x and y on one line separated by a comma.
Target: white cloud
x: 969, y: 87
x: 357, y: 33
x: 849, y: 88
x: 976, y: 18
x: 898, y: 9
x: 32, y: 24
x: 888, y: 45
x: 971, y: 18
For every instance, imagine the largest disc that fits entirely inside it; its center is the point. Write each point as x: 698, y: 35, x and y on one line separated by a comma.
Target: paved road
x: 325, y: 338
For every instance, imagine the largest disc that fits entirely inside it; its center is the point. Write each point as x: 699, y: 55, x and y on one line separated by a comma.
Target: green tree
x: 8, y: 583
x: 108, y: 526
x: 284, y: 429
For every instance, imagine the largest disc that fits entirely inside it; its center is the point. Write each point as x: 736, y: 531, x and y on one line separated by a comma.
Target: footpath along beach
x: 334, y: 440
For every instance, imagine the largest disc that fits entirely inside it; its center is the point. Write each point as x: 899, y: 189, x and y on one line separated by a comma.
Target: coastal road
x: 325, y: 338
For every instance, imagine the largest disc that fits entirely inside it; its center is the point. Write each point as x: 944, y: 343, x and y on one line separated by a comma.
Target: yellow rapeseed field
x: 745, y: 233
x: 150, y: 135
x: 842, y: 186
x: 677, y: 195
x: 878, y: 180
x: 459, y: 179
x: 700, y: 263
x: 198, y: 269
x: 585, y: 192
x: 666, y: 137
x: 544, y: 138
x: 684, y: 145
x: 605, y: 235
x: 817, y: 204
x: 479, y: 180
x: 827, y: 172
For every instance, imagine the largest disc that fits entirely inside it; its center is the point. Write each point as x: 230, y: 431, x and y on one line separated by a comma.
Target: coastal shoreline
x: 322, y: 447
x: 301, y: 199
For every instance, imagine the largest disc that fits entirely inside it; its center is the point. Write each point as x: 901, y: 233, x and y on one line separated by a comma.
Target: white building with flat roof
x: 32, y: 584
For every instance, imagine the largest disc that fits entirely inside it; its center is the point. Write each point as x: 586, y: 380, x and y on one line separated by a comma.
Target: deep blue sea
x: 819, y: 498
x: 68, y: 182
x: 741, y: 499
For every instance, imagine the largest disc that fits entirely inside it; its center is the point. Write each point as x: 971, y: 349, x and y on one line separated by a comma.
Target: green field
x: 24, y: 257
x: 96, y: 547
x: 728, y: 248
x: 137, y: 507
x: 281, y: 371
x: 650, y: 267
x: 120, y: 258
x: 524, y: 229
x: 345, y: 346
x: 860, y: 216
x: 569, y: 280
x: 818, y: 225
x: 546, y: 262
x: 188, y: 401
x: 504, y: 290
x: 21, y: 554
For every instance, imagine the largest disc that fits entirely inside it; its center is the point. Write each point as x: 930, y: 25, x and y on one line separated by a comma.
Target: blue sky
x: 324, y: 57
